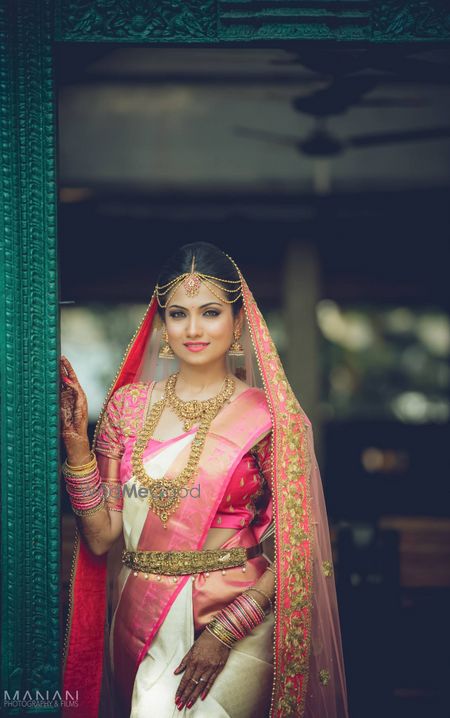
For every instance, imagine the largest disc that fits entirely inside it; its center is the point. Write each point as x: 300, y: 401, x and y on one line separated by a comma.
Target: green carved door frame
x: 29, y: 322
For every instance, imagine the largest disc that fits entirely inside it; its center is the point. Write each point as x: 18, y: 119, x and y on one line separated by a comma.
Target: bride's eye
x: 176, y: 314
x: 212, y: 313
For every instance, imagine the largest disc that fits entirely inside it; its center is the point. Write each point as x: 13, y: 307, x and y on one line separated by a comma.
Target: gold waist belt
x: 180, y: 563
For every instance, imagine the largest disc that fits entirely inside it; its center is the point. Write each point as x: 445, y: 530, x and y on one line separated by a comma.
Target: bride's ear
x: 239, y: 320
x: 158, y: 321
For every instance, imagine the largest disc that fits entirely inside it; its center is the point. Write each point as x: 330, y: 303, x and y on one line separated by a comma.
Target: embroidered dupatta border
x: 292, y: 513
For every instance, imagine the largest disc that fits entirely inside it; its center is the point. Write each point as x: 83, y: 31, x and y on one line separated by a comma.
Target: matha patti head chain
x: 192, y: 282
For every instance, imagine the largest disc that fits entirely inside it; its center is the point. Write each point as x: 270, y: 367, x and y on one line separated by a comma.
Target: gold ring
x: 196, y: 682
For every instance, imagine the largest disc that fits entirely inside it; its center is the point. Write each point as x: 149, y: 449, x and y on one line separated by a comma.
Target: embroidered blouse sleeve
x: 109, y: 449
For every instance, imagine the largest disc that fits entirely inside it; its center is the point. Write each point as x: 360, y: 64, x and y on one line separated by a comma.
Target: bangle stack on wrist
x: 84, y: 487
x: 238, y: 619
x: 263, y: 593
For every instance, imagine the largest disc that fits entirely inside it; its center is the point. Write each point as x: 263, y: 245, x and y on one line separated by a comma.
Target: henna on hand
x: 206, y: 659
x: 74, y: 412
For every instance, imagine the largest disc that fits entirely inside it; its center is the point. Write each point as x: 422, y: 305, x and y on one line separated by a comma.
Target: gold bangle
x: 72, y: 474
x: 68, y: 471
x: 263, y: 593
x: 93, y: 461
x: 91, y: 511
x: 220, y: 630
x: 222, y: 637
x: 269, y: 568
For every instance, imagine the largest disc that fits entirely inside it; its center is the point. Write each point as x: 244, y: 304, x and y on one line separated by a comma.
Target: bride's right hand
x: 74, y: 415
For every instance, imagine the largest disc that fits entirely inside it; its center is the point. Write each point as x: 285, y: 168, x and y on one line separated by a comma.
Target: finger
x: 181, y: 666
x: 72, y: 385
x: 69, y: 369
x: 183, y: 684
x: 208, y: 685
x: 194, y: 686
x: 70, y: 389
x: 65, y: 381
x: 186, y: 686
x: 64, y: 364
x: 62, y: 368
x: 198, y: 688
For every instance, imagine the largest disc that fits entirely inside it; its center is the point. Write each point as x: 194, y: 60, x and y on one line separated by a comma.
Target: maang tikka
x: 192, y: 281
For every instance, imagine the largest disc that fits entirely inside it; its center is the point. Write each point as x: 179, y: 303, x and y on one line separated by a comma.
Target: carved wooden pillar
x: 30, y: 523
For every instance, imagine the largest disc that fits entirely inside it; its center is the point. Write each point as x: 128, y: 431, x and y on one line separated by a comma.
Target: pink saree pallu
x: 144, y: 603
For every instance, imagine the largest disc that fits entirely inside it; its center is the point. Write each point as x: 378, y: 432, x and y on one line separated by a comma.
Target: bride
x: 202, y: 580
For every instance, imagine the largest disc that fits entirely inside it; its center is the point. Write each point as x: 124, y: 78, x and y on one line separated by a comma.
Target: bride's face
x: 200, y: 328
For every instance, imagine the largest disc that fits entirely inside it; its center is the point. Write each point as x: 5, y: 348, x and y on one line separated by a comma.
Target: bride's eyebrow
x: 179, y: 306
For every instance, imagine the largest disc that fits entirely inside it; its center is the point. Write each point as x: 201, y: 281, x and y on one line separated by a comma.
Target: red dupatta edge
x: 84, y: 636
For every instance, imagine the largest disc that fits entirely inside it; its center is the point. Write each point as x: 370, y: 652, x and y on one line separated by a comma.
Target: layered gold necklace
x: 164, y: 494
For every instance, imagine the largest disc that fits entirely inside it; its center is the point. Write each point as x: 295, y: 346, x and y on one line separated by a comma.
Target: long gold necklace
x: 164, y: 494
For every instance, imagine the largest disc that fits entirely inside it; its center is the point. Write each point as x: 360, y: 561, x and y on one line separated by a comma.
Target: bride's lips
x: 196, y: 346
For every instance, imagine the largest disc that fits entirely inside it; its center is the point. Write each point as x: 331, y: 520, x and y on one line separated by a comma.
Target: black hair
x: 209, y: 259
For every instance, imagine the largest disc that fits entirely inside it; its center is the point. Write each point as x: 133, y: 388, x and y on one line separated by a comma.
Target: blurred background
x: 325, y: 173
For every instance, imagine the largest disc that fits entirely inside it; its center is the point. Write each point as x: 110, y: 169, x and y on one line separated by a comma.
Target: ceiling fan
x: 390, y: 63
x: 322, y: 143
x: 346, y: 89
x: 342, y: 92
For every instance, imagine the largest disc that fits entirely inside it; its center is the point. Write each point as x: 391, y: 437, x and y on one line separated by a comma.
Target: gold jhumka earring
x: 166, y: 351
x: 236, y: 349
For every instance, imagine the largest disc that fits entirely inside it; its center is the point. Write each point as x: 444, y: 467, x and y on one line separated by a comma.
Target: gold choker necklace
x: 164, y: 494
x: 193, y: 410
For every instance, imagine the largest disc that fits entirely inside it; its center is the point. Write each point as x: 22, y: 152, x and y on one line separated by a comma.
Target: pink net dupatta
x: 309, y: 678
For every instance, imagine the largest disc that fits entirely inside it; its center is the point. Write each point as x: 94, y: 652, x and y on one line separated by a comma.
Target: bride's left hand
x: 204, y: 660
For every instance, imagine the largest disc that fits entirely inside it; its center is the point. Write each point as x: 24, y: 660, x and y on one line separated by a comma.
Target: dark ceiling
x: 252, y: 149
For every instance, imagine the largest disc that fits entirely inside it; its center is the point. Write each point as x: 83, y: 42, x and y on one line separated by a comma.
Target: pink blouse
x: 248, y: 491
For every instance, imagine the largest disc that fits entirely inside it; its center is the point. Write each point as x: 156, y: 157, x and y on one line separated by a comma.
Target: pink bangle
x: 91, y: 511
x: 240, y: 617
x: 85, y: 492
x: 234, y: 626
x: 252, y: 605
x: 77, y: 481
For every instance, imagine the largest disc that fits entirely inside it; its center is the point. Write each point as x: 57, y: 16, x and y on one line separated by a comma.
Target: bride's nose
x: 194, y: 327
